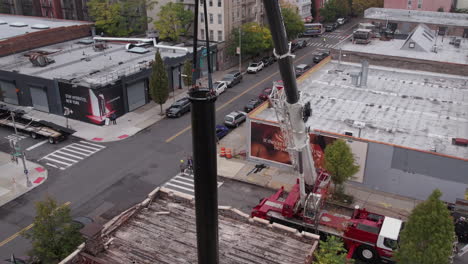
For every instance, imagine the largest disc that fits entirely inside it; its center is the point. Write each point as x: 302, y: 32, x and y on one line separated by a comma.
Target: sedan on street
x: 221, y: 131
x: 252, y: 104
x: 232, y: 78
x: 219, y: 87
x: 265, y: 93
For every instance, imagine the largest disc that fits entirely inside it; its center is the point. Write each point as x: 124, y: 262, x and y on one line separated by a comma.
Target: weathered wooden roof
x: 164, y: 232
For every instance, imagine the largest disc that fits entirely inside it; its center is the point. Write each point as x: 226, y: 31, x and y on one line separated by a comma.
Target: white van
x: 340, y: 21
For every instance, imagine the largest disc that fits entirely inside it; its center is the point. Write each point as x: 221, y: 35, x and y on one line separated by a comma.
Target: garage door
x: 9, y: 92
x: 136, y: 95
x: 39, y: 99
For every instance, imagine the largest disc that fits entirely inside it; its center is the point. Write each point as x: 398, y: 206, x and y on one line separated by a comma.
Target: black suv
x: 320, y: 56
x: 268, y: 61
x: 232, y: 78
x: 330, y: 27
x: 178, y: 108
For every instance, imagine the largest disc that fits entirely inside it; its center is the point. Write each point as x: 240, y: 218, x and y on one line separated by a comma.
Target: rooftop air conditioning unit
x: 40, y: 60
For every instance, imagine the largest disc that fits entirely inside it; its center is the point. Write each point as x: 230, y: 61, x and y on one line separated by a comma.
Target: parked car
x: 318, y: 57
x: 178, y: 108
x: 234, y: 119
x: 341, y: 21
x: 255, y: 67
x: 294, y: 46
x: 219, y: 87
x: 301, y: 69
x: 330, y: 27
x: 301, y: 43
x: 265, y: 93
x: 252, y: 104
x: 267, y: 61
x: 221, y: 131
x: 232, y: 78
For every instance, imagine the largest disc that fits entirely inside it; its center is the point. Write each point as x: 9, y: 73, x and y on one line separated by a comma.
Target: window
x: 211, y: 18
x: 390, y: 243
x: 220, y: 19
x: 232, y: 16
x: 202, y: 31
x: 211, y: 2
x: 202, y: 17
x: 211, y: 34
x: 202, y: 2
x: 237, y: 12
x: 220, y: 35
x: 411, y: 45
x: 419, y: 3
x: 219, y: 3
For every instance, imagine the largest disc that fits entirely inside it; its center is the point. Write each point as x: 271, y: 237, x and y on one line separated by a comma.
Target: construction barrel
x: 223, y: 152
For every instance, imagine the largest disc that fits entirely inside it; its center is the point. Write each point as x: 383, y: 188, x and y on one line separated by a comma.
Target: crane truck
x: 369, y: 235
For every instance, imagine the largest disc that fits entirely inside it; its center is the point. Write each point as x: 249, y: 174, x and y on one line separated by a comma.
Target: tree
x: 158, y: 83
x: 339, y: 162
x: 359, y: 6
x: 121, y: 18
x: 293, y: 23
x: 255, y: 39
x: 334, y: 9
x: 187, y: 71
x: 331, y: 251
x: 53, y: 235
x: 174, y: 21
x: 428, y: 235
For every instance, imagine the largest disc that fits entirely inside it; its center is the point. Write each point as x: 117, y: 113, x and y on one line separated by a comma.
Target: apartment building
x: 61, y: 9
x: 304, y: 8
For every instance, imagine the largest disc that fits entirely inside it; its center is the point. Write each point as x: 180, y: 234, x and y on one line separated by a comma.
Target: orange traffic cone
x: 228, y: 153
x: 223, y: 152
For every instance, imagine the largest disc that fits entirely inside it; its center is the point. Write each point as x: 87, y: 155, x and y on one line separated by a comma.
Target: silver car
x: 234, y: 119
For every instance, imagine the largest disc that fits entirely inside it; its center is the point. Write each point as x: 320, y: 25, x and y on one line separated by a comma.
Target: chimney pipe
x: 364, y: 72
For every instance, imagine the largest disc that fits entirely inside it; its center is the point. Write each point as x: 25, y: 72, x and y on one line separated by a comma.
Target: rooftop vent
x: 138, y: 50
x: 86, y: 41
x: 40, y: 26
x: 100, y: 46
x: 40, y: 60
x: 18, y: 24
x: 3, y: 22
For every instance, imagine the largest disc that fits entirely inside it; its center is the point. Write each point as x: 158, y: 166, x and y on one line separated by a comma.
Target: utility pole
x: 17, y: 148
x: 240, y: 50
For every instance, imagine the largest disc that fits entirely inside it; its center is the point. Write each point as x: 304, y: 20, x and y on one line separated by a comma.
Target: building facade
x: 460, y: 4
x: 422, y: 5
x: 304, y: 8
x: 61, y: 9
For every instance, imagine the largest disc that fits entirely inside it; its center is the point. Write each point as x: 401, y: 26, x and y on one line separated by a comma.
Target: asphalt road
x: 123, y: 173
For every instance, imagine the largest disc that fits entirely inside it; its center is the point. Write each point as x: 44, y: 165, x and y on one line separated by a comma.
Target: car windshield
x: 229, y: 118
x: 176, y: 105
x: 253, y: 64
x: 228, y: 77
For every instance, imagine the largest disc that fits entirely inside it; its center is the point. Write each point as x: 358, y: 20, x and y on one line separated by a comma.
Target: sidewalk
x: 13, y: 180
x: 128, y: 124
x: 273, y: 177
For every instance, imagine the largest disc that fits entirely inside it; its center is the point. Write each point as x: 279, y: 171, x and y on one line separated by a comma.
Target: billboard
x: 268, y: 144
x: 92, y: 106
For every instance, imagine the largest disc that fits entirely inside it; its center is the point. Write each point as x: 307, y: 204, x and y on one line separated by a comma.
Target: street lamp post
x: 240, y: 50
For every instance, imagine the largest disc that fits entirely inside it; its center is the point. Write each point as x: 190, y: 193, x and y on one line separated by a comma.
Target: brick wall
x: 43, y: 38
x: 402, y: 62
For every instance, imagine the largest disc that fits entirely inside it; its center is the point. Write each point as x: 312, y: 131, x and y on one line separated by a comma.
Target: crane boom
x: 289, y: 110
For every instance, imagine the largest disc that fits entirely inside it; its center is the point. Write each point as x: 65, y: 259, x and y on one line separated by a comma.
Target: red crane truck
x: 371, y: 236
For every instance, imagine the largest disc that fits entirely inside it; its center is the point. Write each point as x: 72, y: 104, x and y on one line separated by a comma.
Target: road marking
x: 231, y: 100
x: 58, y: 161
x: 178, y: 177
x: 86, y: 147
x: 179, y: 187
x: 68, y: 154
x: 98, y: 146
x: 52, y: 165
x: 74, y: 151
x: 80, y: 149
x: 37, y: 145
x: 60, y: 157
x: 181, y: 182
x: 17, y: 234
x: 71, y: 154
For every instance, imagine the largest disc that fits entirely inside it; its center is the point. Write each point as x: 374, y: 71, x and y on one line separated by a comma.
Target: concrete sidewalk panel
x: 228, y: 168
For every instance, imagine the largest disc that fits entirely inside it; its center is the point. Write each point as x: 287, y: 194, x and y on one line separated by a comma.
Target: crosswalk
x: 15, y: 137
x: 71, y: 154
x: 321, y: 45
x: 183, y: 182
x: 334, y: 36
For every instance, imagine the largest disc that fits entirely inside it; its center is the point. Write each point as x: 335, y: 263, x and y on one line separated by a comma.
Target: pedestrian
x: 182, y: 166
x: 324, y: 40
x: 190, y: 163
x: 113, y: 118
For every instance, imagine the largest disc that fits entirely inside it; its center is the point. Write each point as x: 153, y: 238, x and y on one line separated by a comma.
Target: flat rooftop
x: 427, y: 17
x: 415, y: 109
x: 165, y: 232
x: 445, y: 51
x: 81, y: 64
x: 25, y: 24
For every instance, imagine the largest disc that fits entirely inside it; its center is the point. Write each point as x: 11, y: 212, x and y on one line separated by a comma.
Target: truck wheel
x: 52, y: 140
x: 367, y: 254
x: 33, y: 135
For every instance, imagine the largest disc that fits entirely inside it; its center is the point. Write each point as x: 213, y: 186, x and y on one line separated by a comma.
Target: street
x: 107, y: 178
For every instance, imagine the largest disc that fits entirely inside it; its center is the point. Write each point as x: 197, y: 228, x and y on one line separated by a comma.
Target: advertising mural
x: 267, y: 143
x: 92, y: 106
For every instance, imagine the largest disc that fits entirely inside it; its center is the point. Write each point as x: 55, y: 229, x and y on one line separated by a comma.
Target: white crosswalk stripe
x: 183, y: 182
x: 71, y: 154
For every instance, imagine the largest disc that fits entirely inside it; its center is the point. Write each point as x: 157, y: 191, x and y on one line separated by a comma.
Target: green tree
x: 359, y: 6
x: 159, y: 83
x: 334, y: 9
x: 331, y: 251
x: 121, y: 18
x: 293, y: 23
x: 428, y: 235
x: 254, y: 40
x: 53, y: 235
x: 339, y: 162
x: 174, y: 21
x: 187, y: 71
